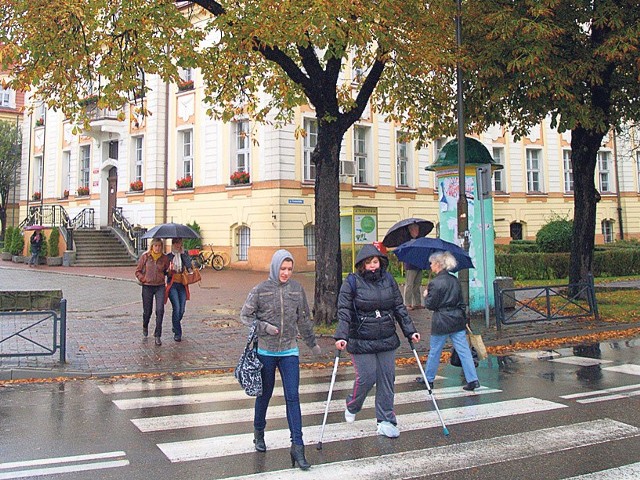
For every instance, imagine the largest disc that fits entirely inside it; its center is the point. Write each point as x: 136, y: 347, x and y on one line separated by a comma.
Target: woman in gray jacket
x: 279, y: 306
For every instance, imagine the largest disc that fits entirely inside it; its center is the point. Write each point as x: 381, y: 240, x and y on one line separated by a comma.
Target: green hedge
x: 553, y: 266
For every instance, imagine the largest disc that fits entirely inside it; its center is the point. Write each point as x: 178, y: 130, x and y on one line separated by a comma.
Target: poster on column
x: 366, y: 228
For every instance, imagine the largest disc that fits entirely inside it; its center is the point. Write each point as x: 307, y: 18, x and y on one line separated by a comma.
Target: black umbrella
x: 417, y: 252
x: 399, y: 233
x: 171, y: 230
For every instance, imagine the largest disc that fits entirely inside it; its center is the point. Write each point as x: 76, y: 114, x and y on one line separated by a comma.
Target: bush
x: 555, y: 236
x: 44, y: 249
x: 8, y: 238
x: 54, y: 240
x: 191, y: 243
x: 17, y: 244
x: 523, y: 246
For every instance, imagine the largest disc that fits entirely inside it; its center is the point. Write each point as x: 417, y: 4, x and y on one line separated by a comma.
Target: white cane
x: 326, y: 408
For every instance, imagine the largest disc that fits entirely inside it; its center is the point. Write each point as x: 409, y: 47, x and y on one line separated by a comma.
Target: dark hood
x: 371, y: 251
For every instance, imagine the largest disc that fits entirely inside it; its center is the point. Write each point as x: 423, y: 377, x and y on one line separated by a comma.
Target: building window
x: 534, y: 171
x: 604, y: 165
x: 360, y: 151
x: 568, y: 171
x: 66, y: 173
x: 243, y: 241
x: 240, y: 162
x: 402, y: 153
x: 310, y: 141
x: 85, y: 165
x: 38, y: 172
x: 137, y: 155
x: 437, y: 146
x: 516, y: 231
x: 186, y: 159
x: 6, y: 97
x: 607, y: 231
x: 498, y: 157
x: 638, y: 169
x: 310, y: 241
x: 186, y: 75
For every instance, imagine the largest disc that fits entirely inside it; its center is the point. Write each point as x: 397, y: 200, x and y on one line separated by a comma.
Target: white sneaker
x: 348, y: 416
x: 388, y: 429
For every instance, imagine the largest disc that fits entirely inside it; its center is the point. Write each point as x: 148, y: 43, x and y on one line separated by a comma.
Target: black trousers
x: 149, y: 292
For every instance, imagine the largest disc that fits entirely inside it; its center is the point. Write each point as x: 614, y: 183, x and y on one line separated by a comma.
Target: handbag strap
x: 253, y: 335
x: 469, y: 329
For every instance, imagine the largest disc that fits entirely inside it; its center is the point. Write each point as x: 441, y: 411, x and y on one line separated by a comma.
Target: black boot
x: 297, y: 456
x: 258, y: 440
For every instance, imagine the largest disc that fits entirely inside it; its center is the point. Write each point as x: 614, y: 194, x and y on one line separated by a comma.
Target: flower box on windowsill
x: 36, y: 196
x: 240, y: 178
x: 40, y: 122
x: 186, y: 85
x: 136, y: 186
x: 83, y: 191
x: 186, y: 182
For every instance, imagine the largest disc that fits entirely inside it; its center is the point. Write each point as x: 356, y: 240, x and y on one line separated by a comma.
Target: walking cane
x: 445, y: 430
x: 326, y: 408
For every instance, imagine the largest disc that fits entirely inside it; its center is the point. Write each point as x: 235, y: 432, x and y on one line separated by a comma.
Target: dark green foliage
x: 555, y: 236
x: 191, y: 243
x: 54, y: 240
x: 523, y: 246
x: 8, y: 238
x: 44, y: 249
x: 17, y: 244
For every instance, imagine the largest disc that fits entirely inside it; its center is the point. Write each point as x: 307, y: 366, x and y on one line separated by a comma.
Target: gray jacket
x: 283, y: 305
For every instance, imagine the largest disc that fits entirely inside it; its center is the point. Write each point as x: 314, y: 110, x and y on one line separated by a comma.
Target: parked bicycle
x: 207, y: 256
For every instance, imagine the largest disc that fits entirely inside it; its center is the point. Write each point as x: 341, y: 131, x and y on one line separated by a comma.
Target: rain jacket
x: 367, y: 316
x: 150, y: 272
x: 283, y: 305
x: 444, y: 297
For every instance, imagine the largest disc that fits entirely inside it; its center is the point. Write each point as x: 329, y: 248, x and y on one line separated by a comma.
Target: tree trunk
x: 327, y: 225
x: 584, y: 153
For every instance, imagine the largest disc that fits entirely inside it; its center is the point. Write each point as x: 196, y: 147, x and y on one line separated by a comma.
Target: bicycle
x: 202, y: 258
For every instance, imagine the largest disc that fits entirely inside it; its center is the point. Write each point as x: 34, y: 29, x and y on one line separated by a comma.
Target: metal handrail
x: 131, y: 233
x: 84, y: 219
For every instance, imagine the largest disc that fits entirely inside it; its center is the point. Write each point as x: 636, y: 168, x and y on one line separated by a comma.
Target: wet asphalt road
x: 552, y: 415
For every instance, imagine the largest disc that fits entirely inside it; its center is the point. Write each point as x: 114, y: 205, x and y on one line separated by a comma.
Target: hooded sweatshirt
x: 283, y: 305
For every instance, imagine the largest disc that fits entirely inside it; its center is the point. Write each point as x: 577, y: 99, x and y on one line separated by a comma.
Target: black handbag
x: 248, y: 372
x: 455, y: 358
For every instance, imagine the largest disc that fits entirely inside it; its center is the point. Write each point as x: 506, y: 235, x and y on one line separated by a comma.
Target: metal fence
x: 545, y: 303
x: 34, y: 333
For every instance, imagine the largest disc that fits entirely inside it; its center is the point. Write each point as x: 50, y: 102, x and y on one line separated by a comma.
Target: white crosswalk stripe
x: 234, y: 444
x: 614, y: 393
x: 627, y: 472
x: 465, y: 455
x: 76, y: 463
x: 627, y: 368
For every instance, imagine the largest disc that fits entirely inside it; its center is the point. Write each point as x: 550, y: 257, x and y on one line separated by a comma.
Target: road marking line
x: 626, y: 472
x: 464, y: 456
x: 66, y: 469
x: 172, y: 422
x: 49, y: 461
x: 582, y: 361
x: 600, y: 392
x: 616, y: 396
x: 220, y: 446
x: 629, y: 368
x: 208, y: 397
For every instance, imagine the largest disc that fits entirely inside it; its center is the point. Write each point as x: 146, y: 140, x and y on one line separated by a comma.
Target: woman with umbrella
x: 36, y: 246
x: 150, y: 272
x: 444, y: 297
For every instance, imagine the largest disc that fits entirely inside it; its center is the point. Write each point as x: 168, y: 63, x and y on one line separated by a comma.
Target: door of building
x: 113, y: 193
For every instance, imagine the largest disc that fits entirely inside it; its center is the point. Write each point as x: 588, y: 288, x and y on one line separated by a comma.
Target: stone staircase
x: 100, y: 248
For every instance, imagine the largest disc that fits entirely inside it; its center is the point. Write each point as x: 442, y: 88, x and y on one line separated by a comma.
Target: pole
x: 463, y: 221
x: 618, y: 196
x: 483, y: 234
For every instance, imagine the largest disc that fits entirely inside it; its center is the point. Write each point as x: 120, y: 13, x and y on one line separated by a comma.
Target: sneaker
x: 471, y: 386
x: 388, y: 429
x: 348, y: 416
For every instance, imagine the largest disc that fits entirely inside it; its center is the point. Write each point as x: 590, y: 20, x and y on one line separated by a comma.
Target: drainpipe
x: 165, y: 194
x: 618, y: 196
x: 29, y: 160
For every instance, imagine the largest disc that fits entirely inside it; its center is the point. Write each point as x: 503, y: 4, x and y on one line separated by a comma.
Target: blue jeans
x: 460, y: 343
x: 178, y: 299
x: 289, y: 368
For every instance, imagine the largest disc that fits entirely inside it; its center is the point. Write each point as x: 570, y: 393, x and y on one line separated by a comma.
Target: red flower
x: 186, y: 182
x: 136, y: 186
x: 239, y: 177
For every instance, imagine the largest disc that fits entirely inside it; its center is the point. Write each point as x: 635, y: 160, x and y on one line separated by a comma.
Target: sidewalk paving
x: 104, y: 324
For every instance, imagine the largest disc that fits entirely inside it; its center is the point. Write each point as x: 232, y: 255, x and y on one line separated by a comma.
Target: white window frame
x: 534, y: 170
x: 84, y: 163
x: 638, y: 169
x: 241, y: 159
x: 310, y: 241
x: 607, y: 231
x: 138, y: 158
x: 186, y: 154
x: 38, y: 173
x: 498, y: 175
x: 438, y: 143
x: 187, y: 74
x: 567, y: 170
x: 310, y: 141
x: 243, y: 242
x: 66, y: 172
x: 403, y: 160
x: 604, y: 171
x: 7, y: 97
x: 361, y: 153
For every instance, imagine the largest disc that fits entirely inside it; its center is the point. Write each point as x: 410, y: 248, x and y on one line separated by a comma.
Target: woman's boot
x: 297, y: 456
x: 258, y: 440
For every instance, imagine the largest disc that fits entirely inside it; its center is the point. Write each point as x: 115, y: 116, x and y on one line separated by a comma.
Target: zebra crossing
x: 208, y: 421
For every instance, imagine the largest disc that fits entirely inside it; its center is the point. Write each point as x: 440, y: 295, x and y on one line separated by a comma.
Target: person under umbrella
x: 444, y: 297
x: 36, y: 241
x: 413, y: 277
x: 150, y: 272
x: 178, y: 293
